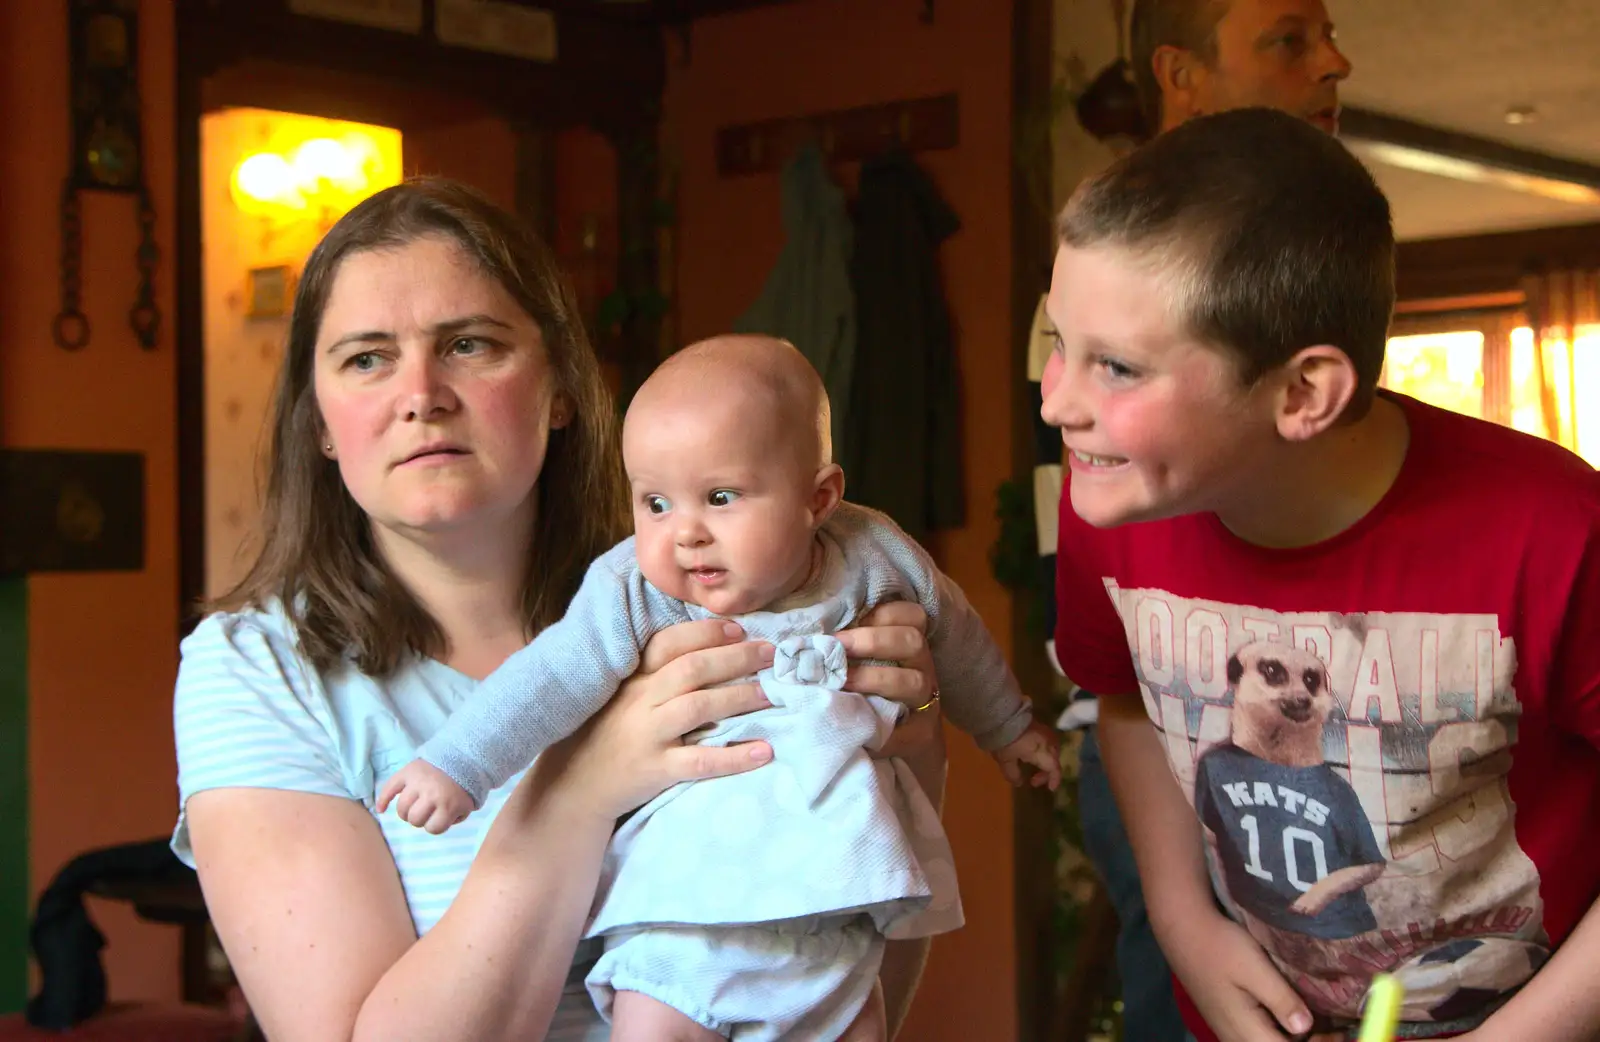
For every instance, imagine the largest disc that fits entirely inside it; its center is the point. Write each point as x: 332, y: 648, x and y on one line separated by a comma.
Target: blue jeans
x: 1149, y: 1008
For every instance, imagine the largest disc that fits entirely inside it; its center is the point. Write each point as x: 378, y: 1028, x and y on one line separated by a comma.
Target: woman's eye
x: 657, y: 504
x: 722, y: 497
x: 466, y: 345
x: 363, y: 362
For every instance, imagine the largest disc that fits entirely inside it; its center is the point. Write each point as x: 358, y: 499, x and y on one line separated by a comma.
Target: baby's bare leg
x: 639, y: 1018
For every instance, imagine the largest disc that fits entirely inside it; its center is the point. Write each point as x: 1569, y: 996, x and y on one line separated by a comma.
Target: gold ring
x: 929, y: 704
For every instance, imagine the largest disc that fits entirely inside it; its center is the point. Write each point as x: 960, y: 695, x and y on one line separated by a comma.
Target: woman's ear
x: 826, y: 493
x: 561, y: 412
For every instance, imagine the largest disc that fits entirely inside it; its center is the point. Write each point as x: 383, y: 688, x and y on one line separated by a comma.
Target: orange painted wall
x: 482, y: 152
x: 101, y: 647
x: 814, y: 55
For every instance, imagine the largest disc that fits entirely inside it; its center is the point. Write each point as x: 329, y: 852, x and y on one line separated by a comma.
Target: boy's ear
x: 827, y: 493
x: 1318, y: 385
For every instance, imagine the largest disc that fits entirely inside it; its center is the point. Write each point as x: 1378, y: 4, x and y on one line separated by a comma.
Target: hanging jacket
x: 904, y: 454
x: 807, y: 298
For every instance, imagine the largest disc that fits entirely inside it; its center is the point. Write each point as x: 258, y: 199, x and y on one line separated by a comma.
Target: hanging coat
x: 807, y: 299
x: 904, y: 452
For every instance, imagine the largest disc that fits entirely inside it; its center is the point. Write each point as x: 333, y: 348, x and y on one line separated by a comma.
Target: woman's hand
x: 633, y: 749
x: 897, y: 632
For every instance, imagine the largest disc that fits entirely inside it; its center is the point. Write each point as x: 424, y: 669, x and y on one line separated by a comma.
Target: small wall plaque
x: 71, y: 511
x: 269, y: 291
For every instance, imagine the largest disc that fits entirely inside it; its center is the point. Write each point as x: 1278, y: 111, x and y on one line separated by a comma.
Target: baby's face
x: 718, y: 522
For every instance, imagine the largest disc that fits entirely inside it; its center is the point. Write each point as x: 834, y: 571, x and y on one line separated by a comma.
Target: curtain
x: 1560, y: 304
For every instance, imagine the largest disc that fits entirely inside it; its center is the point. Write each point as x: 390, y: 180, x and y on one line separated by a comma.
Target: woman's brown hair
x: 317, y: 554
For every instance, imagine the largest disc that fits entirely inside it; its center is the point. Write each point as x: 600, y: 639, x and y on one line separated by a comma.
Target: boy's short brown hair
x: 1273, y: 236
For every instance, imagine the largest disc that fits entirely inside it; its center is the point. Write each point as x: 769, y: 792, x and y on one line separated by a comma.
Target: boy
x: 757, y: 908
x: 1222, y: 298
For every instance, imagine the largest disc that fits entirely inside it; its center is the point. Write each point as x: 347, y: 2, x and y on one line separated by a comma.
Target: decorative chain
x: 71, y: 327
x: 145, y: 317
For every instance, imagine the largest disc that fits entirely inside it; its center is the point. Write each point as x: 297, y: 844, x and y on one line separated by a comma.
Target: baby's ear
x: 826, y: 493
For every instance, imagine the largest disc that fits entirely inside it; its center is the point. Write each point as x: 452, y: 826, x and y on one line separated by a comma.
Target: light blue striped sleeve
x: 249, y: 713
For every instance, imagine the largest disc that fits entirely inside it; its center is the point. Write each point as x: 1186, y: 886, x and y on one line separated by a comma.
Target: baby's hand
x: 1040, y: 749
x: 427, y: 797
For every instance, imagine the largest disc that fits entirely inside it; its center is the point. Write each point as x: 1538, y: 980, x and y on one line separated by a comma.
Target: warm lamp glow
x: 324, y: 159
x: 264, y: 177
x: 307, y: 167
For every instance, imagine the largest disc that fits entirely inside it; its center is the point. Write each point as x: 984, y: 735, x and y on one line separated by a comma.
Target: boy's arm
x: 545, y: 691
x: 1161, y: 825
x: 1560, y: 1003
x: 1238, y: 990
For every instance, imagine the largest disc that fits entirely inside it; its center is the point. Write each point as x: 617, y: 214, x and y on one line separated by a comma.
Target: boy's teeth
x: 1098, y: 461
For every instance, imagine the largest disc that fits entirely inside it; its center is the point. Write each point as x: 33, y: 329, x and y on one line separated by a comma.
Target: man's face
x: 1277, y: 54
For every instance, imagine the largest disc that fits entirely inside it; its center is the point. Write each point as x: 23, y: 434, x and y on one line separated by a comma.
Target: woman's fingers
x: 708, y: 668
x: 677, y: 641
x: 885, y: 643
x: 696, y: 762
x: 896, y: 613
x: 910, y: 687
x: 695, y: 709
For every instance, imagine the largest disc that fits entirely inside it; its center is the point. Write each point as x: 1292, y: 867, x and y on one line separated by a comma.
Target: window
x: 1553, y: 392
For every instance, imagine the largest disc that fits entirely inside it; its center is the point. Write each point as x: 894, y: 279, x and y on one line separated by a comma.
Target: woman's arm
x: 896, y: 632
x: 305, y: 897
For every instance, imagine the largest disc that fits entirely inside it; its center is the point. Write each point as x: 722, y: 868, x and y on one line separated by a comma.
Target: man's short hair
x: 1188, y: 24
x: 1271, y: 235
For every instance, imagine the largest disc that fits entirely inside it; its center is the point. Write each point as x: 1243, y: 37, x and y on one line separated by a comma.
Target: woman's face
x: 436, y: 393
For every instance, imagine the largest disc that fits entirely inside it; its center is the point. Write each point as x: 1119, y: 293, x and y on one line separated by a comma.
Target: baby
x: 756, y: 905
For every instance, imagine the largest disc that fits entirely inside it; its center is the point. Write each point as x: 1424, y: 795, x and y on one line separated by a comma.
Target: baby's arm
x: 546, y: 691
x: 1040, y: 749
x: 425, y: 797
x: 978, y: 691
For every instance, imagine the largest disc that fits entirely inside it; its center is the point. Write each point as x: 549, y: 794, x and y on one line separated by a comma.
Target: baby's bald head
x: 760, y: 385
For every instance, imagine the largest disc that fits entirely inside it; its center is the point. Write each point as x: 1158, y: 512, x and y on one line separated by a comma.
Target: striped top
x: 249, y: 712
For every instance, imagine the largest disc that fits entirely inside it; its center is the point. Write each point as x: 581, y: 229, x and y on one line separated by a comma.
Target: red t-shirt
x: 1443, y: 652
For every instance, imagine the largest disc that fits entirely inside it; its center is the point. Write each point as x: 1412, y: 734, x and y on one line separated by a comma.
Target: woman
x: 443, y: 467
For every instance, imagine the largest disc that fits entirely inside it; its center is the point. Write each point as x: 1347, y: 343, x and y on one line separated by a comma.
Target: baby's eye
x: 657, y: 504
x: 722, y: 497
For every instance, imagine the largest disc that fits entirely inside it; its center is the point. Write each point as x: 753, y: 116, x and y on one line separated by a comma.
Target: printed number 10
x: 1291, y: 836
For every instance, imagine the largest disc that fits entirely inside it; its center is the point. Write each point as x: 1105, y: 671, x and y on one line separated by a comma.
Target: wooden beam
x: 1493, y: 263
x: 1034, y: 826
x: 1450, y: 153
x: 605, y: 69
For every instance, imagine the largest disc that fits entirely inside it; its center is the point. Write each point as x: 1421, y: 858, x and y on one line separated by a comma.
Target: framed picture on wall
x: 269, y: 291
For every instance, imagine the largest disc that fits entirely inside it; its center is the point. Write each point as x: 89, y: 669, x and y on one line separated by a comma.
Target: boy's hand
x: 1239, y: 991
x: 1040, y: 749
x: 425, y: 797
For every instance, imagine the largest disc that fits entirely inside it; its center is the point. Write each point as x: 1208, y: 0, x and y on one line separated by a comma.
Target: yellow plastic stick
x: 1383, y: 1009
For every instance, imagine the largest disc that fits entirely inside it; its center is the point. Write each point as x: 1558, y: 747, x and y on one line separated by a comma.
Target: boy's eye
x: 657, y: 504
x: 722, y: 497
x: 1117, y: 370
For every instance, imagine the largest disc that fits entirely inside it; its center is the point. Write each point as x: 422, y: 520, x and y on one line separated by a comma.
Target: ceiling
x: 1460, y: 64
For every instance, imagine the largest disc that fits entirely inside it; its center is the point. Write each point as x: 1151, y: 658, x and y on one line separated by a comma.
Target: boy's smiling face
x: 1154, y: 423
